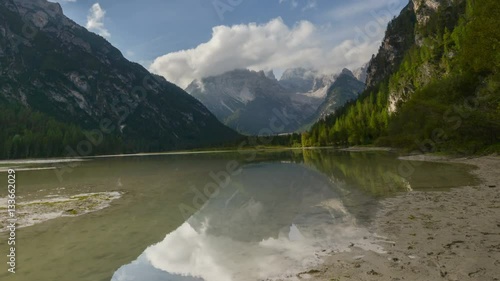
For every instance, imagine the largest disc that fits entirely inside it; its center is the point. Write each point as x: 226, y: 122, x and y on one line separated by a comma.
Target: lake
x: 254, y: 215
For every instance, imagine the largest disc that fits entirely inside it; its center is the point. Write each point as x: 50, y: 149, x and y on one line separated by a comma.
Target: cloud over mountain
x: 95, y: 20
x: 264, y: 46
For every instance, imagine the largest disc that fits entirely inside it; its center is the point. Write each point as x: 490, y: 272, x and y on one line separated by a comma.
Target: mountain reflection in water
x: 284, y: 211
x: 273, y: 220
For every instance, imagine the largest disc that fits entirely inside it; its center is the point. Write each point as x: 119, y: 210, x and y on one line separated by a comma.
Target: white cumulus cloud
x: 95, y: 20
x: 272, y: 45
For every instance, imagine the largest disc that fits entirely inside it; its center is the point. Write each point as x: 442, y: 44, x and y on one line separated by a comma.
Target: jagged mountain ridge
x: 307, y: 81
x: 346, y: 88
x: 361, y: 73
x: 299, y: 80
x: 247, y: 101
x: 62, y: 70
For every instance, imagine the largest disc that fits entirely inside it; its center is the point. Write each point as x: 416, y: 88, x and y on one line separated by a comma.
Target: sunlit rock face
x: 425, y: 8
x: 346, y: 88
x: 263, y: 225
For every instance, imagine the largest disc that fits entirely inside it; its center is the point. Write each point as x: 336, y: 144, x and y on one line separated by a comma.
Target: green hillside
x: 444, y: 94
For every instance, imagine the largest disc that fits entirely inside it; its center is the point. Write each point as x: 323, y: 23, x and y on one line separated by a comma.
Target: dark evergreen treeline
x: 28, y: 134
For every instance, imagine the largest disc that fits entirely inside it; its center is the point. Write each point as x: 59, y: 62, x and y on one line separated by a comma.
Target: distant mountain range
x: 51, y: 65
x: 250, y: 101
x: 345, y: 88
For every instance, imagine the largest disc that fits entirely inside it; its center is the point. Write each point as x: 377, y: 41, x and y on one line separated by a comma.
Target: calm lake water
x: 215, y: 216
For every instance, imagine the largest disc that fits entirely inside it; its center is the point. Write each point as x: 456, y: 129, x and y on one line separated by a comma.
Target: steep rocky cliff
x: 433, y: 86
x: 399, y: 37
x: 409, y: 29
x: 50, y: 64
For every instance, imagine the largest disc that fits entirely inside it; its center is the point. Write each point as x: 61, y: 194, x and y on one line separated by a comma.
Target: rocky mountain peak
x: 425, y: 8
x: 399, y: 37
x: 343, y: 89
x: 298, y: 79
x: 298, y: 72
x: 270, y: 74
x: 38, y: 8
x: 323, y: 81
x: 346, y: 71
x: 61, y: 69
x: 248, y: 100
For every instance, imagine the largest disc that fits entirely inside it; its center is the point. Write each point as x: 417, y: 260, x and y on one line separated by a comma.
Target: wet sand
x: 451, y: 235
x: 52, y: 207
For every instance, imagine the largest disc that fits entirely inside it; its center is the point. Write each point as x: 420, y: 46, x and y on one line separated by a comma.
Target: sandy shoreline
x: 453, y: 235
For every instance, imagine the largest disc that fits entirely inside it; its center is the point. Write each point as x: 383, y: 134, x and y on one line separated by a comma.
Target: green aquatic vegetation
x: 72, y: 212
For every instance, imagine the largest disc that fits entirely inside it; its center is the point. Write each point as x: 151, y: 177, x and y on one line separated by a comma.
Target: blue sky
x: 179, y: 38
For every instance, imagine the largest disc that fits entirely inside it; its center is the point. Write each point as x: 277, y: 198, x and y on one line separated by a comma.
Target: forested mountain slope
x: 58, y: 81
x: 436, y: 90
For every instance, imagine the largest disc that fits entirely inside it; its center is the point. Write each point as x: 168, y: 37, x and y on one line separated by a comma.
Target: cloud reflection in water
x: 273, y: 221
